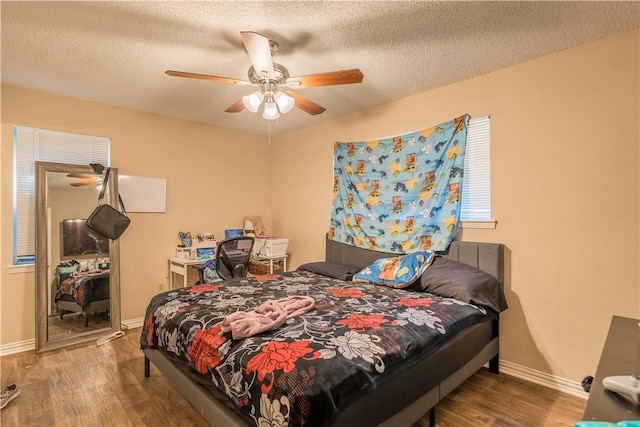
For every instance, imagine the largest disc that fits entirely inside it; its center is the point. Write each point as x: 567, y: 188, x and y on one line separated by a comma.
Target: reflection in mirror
x: 77, y: 270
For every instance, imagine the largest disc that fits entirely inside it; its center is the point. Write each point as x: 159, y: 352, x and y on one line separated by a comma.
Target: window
x: 31, y: 145
x: 476, y: 183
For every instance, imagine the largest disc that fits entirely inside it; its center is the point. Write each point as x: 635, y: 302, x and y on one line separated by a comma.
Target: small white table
x: 271, y: 259
x: 180, y: 266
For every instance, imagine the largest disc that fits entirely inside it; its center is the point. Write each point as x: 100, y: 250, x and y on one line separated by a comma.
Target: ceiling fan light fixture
x: 252, y: 101
x: 285, y: 102
x: 270, y: 111
x: 270, y: 76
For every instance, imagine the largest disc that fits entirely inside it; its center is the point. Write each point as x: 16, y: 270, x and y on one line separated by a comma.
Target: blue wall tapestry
x: 400, y: 194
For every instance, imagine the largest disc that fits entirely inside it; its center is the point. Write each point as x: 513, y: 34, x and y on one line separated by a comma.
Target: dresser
x: 620, y: 356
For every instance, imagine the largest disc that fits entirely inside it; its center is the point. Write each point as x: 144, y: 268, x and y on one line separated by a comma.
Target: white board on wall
x: 143, y: 194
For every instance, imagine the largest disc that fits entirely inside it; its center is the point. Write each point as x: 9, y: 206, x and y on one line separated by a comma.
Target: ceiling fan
x: 85, y: 179
x: 269, y: 77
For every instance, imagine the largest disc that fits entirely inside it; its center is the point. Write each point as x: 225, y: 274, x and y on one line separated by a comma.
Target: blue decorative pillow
x: 395, y: 272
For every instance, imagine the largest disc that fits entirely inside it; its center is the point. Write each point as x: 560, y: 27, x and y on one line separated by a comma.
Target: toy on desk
x: 185, y: 238
x: 625, y: 385
x: 205, y: 238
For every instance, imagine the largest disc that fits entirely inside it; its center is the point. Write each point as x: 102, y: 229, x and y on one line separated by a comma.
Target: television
x: 79, y: 241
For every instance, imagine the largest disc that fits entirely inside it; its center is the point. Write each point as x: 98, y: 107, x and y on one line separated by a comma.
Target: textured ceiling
x: 117, y: 52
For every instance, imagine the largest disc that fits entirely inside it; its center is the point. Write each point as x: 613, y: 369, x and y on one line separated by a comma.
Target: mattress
x: 84, y: 288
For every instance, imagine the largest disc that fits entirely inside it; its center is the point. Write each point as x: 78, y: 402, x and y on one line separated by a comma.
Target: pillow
x: 395, y: 272
x: 336, y: 271
x: 452, y: 279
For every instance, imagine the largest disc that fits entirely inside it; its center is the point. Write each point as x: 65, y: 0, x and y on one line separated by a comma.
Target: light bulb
x: 285, y: 102
x: 270, y: 111
x: 252, y: 101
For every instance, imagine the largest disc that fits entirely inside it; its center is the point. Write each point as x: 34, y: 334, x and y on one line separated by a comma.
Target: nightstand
x: 620, y: 356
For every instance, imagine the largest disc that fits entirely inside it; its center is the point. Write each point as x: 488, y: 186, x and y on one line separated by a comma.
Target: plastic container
x: 270, y: 247
x: 67, y: 270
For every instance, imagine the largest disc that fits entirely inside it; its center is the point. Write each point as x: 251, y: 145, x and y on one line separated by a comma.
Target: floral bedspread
x: 85, y: 287
x: 303, y: 373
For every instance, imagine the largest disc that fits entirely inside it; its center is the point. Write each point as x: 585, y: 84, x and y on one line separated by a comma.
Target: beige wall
x: 565, y: 164
x: 214, y: 177
x: 565, y: 192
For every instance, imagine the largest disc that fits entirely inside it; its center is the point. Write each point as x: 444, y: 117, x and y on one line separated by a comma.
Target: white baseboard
x: 133, y: 323
x: 29, y: 345
x: 17, y: 347
x: 537, y: 377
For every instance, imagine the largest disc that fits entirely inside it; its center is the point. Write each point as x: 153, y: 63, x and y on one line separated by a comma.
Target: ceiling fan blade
x: 81, y: 175
x: 206, y: 77
x: 235, y: 108
x: 83, y: 184
x: 305, y: 105
x: 259, y: 52
x: 327, y: 79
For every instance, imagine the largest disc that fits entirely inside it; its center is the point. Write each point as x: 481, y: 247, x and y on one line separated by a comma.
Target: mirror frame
x: 42, y: 331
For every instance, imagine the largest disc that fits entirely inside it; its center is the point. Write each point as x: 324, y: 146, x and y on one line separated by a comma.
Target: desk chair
x: 232, y: 257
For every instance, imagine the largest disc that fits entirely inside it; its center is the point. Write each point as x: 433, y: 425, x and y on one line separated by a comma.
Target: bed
x: 365, y: 355
x: 83, y: 292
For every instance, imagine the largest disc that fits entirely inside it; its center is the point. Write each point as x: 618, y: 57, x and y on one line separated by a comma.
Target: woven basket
x: 262, y: 267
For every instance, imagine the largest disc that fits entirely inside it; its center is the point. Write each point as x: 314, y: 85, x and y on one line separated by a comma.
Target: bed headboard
x: 488, y: 257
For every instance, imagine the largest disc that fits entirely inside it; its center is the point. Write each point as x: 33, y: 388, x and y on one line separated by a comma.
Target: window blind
x: 31, y: 145
x: 476, y: 182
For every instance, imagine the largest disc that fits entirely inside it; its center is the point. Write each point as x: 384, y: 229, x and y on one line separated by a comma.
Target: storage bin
x: 185, y: 253
x: 262, y: 267
x: 270, y: 247
x: 71, y: 269
x: 205, y: 253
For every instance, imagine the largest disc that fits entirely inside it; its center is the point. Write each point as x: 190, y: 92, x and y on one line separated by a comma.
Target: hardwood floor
x: 105, y: 386
x: 73, y: 323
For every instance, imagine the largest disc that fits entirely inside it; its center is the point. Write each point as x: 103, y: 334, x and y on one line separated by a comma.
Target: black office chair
x: 232, y: 257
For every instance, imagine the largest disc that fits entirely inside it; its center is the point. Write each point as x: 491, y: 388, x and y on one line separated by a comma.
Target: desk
x: 620, y: 356
x: 271, y: 259
x: 179, y: 266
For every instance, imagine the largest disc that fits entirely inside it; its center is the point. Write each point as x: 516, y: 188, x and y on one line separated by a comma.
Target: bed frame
x: 488, y: 257
x: 67, y: 304
x: 65, y: 307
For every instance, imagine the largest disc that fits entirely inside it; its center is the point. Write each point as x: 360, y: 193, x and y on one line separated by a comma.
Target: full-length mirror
x: 77, y: 270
